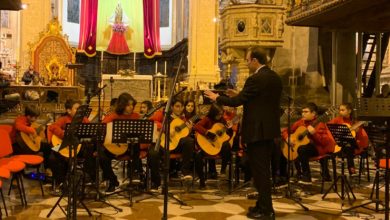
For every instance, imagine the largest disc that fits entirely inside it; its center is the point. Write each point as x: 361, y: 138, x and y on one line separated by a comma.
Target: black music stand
x: 377, y: 137
x: 343, y: 137
x: 71, y: 140
x: 132, y: 132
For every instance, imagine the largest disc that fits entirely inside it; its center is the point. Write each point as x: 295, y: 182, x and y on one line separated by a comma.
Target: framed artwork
x: 73, y: 11
x: 5, y: 19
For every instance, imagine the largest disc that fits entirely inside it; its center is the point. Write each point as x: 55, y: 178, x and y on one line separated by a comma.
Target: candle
x: 134, y: 61
x: 156, y: 66
x: 165, y: 86
x: 165, y: 68
x: 101, y: 56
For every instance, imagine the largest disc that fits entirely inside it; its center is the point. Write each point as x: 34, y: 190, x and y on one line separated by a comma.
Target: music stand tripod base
x: 343, y: 137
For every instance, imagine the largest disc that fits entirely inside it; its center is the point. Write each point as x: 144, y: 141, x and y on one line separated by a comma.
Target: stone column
x: 203, y: 42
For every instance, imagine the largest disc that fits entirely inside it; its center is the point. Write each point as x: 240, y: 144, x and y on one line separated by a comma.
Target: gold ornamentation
x: 126, y: 72
x: 52, y: 50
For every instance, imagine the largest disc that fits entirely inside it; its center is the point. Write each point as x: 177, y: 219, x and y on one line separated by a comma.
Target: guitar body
x: 56, y: 142
x: 30, y: 144
x: 298, y: 140
x: 177, y: 131
x: 213, y: 147
x: 114, y: 148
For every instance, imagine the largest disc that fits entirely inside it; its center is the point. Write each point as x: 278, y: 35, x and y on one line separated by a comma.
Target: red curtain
x: 152, y: 44
x: 87, y: 38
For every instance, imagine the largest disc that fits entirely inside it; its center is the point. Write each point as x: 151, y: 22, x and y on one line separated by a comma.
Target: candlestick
x: 158, y: 90
x: 165, y: 68
x: 156, y: 66
x: 101, y: 56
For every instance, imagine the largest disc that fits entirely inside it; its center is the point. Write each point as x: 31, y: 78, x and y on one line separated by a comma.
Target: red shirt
x: 158, y: 117
x: 58, y: 127
x: 205, y: 124
x: 21, y: 125
x: 361, y: 134
x: 111, y: 117
x: 324, y: 144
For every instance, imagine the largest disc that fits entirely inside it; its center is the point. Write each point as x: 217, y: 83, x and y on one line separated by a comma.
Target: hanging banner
x: 120, y: 27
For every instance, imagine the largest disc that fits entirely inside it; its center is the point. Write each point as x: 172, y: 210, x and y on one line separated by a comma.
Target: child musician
x: 23, y: 124
x: 185, y: 145
x: 345, y: 117
x: 320, y: 143
x: 215, y: 115
x: 58, y: 162
x: 123, y: 110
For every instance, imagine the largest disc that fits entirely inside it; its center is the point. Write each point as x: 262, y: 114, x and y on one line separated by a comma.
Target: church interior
x: 74, y: 62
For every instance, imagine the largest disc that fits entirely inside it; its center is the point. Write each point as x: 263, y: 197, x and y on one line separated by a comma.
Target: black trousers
x: 59, y: 164
x: 349, y: 153
x: 225, y: 156
x: 105, y: 159
x: 186, y: 147
x: 278, y: 161
x: 302, y: 163
x: 259, y: 155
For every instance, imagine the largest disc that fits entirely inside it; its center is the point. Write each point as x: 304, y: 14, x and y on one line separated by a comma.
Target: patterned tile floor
x: 212, y: 203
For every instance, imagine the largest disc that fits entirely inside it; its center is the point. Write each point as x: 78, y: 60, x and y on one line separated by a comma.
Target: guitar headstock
x: 327, y: 114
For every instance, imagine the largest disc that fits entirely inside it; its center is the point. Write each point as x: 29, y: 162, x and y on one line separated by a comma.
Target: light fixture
x: 24, y: 6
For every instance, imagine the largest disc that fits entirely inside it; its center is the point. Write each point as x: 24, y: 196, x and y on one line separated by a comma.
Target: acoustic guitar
x: 231, y: 123
x: 56, y: 142
x: 299, y: 137
x: 178, y: 129
x: 353, y: 129
x: 121, y: 148
x: 213, y: 147
x: 31, y: 143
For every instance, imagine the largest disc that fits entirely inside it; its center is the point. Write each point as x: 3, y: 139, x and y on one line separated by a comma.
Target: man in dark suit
x: 260, y: 98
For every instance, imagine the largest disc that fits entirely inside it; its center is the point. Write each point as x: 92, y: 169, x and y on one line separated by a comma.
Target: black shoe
x: 253, y: 209
x: 280, y: 182
x: 327, y: 178
x: 112, y: 186
x: 202, y: 185
x: 212, y: 175
x: 257, y: 214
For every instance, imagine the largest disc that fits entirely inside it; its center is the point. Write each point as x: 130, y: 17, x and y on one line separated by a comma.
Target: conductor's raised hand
x: 231, y: 92
x: 211, y: 95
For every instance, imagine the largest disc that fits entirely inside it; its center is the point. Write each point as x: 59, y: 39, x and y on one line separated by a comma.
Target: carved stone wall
x: 246, y: 25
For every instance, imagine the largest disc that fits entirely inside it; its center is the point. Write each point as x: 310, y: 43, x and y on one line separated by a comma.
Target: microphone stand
x: 99, y: 196
x: 289, y: 193
x: 166, y: 130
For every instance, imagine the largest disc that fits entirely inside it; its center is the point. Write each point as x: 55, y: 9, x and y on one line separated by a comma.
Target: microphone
x: 111, y: 79
x: 97, y: 92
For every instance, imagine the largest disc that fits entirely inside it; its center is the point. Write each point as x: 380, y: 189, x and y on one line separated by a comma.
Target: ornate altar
x: 51, y: 54
x: 139, y: 86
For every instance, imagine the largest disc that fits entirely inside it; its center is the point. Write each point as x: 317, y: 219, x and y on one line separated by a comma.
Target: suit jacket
x: 260, y: 98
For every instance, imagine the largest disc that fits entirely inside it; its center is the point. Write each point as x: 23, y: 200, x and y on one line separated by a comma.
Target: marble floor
x: 215, y: 202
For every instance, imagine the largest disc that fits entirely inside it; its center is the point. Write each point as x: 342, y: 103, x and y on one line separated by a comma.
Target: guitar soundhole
x: 300, y: 137
x: 219, y: 133
x: 177, y: 129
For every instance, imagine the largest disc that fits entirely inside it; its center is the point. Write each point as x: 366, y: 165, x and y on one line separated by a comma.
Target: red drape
x: 152, y: 44
x: 87, y: 38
